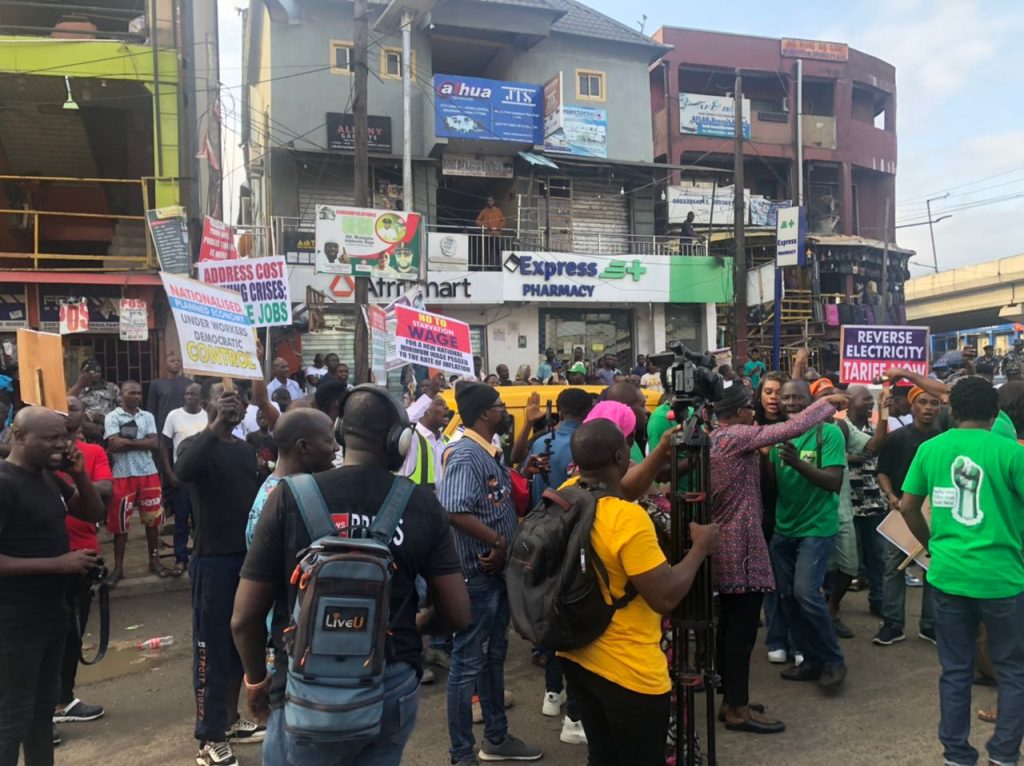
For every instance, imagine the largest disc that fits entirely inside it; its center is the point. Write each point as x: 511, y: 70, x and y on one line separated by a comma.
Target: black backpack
x: 553, y: 589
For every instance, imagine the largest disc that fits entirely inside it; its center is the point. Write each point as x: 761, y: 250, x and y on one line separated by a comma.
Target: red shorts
x: 131, y: 493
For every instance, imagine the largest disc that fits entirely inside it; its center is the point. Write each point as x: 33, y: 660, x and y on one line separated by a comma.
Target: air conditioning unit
x: 785, y: 103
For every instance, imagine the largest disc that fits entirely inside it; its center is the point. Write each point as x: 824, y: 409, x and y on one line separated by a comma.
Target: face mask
x: 505, y: 425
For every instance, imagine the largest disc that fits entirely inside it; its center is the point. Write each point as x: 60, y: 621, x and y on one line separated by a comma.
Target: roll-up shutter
x: 335, y: 341
x: 332, y: 183
x: 600, y: 217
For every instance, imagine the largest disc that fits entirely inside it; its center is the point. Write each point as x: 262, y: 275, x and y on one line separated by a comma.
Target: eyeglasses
x: 498, y: 407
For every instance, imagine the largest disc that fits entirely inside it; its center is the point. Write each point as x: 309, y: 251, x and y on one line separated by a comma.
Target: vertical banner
x: 376, y: 321
x: 133, y: 316
x: 866, y: 352
x: 169, y: 228
x: 262, y: 284
x: 218, y: 243
x: 74, y: 316
x: 790, y: 235
x: 433, y: 340
x: 553, y: 106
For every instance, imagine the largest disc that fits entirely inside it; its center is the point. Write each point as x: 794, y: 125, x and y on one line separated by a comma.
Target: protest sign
x: 169, y: 228
x: 867, y: 352
x: 133, y: 314
x: 261, y: 282
x: 368, y: 243
x: 376, y: 321
x: 213, y: 329
x: 218, y: 243
x: 432, y: 340
x: 42, y: 370
x: 74, y: 316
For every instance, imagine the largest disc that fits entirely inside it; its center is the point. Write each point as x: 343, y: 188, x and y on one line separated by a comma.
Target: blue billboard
x: 487, y: 110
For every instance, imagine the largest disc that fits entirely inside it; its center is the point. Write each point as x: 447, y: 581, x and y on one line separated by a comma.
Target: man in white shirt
x: 180, y: 424
x: 423, y: 461
x: 314, y: 373
x: 281, y: 380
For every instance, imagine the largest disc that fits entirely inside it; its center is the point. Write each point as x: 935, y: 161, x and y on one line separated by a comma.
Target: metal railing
x: 26, y: 221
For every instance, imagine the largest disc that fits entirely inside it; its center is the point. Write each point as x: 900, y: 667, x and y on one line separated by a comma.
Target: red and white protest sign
x: 74, y: 317
x: 432, y: 340
x: 218, y: 241
x: 134, y: 319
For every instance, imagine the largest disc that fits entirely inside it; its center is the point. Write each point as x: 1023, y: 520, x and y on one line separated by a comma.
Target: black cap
x: 734, y: 395
x: 473, y: 399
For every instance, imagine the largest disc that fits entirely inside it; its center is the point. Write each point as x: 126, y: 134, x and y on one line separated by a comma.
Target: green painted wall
x: 697, y: 279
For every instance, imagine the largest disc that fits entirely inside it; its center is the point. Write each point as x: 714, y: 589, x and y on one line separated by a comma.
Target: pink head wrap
x: 617, y: 412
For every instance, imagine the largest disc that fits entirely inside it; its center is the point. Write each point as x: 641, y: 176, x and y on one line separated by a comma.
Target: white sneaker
x: 778, y: 656
x: 244, y: 731
x: 216, y: 754
x: 553, y: 702
x: 798, y: 659
x: 572, y: 732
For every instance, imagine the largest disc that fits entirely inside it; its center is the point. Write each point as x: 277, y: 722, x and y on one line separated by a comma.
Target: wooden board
x: 41, y: 356
x: 894, y: 529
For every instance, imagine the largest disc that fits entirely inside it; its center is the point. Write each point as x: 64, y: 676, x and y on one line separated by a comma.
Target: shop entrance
x: 599, y: 332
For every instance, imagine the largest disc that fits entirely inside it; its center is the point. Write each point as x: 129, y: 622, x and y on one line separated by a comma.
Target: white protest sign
x: 261, y: 282
x: 214, y: 331
x: 432, y: 340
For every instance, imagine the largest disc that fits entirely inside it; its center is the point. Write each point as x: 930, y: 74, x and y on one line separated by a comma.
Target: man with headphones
x: 376, y: 434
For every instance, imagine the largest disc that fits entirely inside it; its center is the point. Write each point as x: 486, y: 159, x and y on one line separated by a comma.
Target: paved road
x: 887, y: 712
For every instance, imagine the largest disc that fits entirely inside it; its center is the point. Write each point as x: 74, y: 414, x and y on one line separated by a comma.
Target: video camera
x: 689, y: 375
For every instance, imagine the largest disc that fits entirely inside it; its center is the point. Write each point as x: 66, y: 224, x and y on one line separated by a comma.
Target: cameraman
x: 82, y: 535
x: 34, y: 564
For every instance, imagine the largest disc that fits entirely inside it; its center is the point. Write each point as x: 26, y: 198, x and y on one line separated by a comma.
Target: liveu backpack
x: 554, y: 590
x: 336, y: 641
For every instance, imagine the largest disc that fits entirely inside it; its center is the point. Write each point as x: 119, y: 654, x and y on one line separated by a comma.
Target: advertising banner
x: 218, y: 242
x: 299, y: 246
x: 433, y: 340
x: 476, y: 166
x: 867, y: 352
x: 169, y: 228
x: 583, y: 133
x: 447, y: 252
x: 377, y: 322
x: 73, y: 316
x: 102, y: 302
x: 262, y: 284
x: 552, y: 106
x: 814, y: 49
x: 367, y: 243
x: 341, y: 133
x: 790, y: 234
x: 487, y: 110
x: 213, y: 329
x: 461, y: 287
x: 13, y: 307
x: 709, y: 204
x: 134, y: 319
x: 701, y: 115
x: 558, y: 278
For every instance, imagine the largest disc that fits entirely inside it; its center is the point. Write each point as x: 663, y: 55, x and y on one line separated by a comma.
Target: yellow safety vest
x: 425, y: 472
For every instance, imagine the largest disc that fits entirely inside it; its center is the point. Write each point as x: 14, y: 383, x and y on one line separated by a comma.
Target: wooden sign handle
x: 910, y: 559
x: 39, y: 387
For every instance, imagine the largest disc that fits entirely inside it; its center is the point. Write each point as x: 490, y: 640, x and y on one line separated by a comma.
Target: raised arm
x: 818, y: 412
x: 931, y: 385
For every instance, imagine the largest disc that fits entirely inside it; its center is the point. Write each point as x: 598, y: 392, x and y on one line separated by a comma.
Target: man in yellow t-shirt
x: 621, y: 679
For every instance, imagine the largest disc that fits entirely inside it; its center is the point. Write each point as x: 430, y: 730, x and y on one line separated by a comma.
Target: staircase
x: 129, y: 240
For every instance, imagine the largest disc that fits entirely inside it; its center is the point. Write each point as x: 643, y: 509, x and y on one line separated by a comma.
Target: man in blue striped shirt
x: 477, y: 492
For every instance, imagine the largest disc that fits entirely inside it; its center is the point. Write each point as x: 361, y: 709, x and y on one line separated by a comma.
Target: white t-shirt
x: 248, y: 424
x: 652, y: 382
x: 314, y: 372
x: 180, y: 425
x: 294, y: 390
x: 897, y: 422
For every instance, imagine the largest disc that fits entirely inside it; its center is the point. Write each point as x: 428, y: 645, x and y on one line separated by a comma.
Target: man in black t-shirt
x: 167, y: 393
x: 221, y: 474
x: 422, y: 546
x: 34, y: 564
x: 893, y: 463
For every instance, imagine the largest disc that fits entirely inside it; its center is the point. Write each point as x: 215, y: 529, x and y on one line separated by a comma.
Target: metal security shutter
x: 600, y: 217
x: 335, y: 341
x: 332, y: 183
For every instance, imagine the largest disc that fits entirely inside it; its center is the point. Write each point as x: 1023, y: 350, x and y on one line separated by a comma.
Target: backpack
x: 552, y: 575
x: 339, y: 627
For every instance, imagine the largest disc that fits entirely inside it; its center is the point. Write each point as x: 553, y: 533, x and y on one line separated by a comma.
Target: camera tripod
x: 693, y: 620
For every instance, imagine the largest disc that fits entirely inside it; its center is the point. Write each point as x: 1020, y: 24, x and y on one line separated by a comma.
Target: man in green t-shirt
x: 809, y: 474
x: 754, y: 367
x: 975, y: 482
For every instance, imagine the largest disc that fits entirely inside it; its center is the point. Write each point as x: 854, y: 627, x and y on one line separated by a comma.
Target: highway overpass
x: 984, y: 294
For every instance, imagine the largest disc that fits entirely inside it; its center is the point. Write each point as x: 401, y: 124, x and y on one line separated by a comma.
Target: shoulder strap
x: 818, y: 443
x: 390, y: 514
x: 630, y: 591
x: 311, y: 504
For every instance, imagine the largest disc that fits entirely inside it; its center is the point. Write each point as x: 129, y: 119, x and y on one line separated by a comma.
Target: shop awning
x: 538, y: 160
x: 79, y: 278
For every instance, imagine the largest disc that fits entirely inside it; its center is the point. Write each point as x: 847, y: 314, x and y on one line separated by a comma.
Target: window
x: 589, y: 85
x: 341, y: 57
x: 391, y: 64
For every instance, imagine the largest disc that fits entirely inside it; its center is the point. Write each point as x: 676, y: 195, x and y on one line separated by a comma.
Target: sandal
x: 159, y: 570
x: 988, y: 715
x: 179, y: 569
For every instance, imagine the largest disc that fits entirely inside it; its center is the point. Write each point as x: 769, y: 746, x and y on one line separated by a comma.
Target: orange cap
x: 821, y: 384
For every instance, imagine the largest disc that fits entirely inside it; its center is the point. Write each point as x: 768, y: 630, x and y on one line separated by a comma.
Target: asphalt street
x: 886, y: 713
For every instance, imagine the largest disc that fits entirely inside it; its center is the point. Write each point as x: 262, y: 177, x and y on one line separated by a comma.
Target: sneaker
x: 928, y: 634
x: 216, y: 754
x: 553, y: 702
x: 245, y: 731
x: 428, y: 677
x: 509, y: 749
x: 801, y: 673
x: 798, y: 659
x: 56, y: 736
x: 888, y: 635
x: 77, y: 711
x: 778, y: 656
x: 841, y: 628
x: 437, y: 657
x: 832, y: 677
x: 911, y: 581
x: 572, y: 732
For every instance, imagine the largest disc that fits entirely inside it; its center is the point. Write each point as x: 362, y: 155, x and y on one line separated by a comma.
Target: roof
x: 841, y: 240
x: 584, y: 21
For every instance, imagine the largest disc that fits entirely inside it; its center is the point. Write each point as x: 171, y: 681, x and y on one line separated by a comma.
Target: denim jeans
x: 401, y: 702
x: 478, y: 666
x: 956, y: 628
x: 871, y: 549
x: 554, y: 681
x: 800, y: 565
x: 777, y: 634
x: 181, y: 501
x: 894, y: 593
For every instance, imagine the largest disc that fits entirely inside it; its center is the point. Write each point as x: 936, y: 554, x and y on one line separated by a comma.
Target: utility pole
x: 739, y: 222
x: 362, y: 180
x: 885, y: 260
x: 931, y: 229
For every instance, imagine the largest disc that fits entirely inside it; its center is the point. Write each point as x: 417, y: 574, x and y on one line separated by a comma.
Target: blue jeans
x: 776, y: 628
x: 894, y: 593
x: 478, y: 665
x: 401, y: 702
x: 800, y: 566
x: 181, y: 501
x: 956, y: 628
x: 871, y: 549
x: 554, y: 681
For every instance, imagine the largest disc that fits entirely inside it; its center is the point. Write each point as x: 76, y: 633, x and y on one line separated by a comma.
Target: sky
x: 960, y: 120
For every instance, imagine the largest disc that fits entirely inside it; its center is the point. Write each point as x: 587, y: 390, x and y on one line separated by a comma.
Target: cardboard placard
x: 894, y: 529
x: 261, y: 282
x: 867, y: 352
x: 218, y: 243
x: 377, y: 322
x: 42, y: 370
x: 433, y: 340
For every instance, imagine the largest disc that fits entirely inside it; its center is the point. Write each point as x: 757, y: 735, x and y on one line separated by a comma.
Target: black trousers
x: 738, y: 615
x: 624, y: 728
x: 79, y: 601
x: 29, y: 676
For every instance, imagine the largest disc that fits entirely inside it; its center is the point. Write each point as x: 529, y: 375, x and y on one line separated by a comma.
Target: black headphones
x: 400, y: 432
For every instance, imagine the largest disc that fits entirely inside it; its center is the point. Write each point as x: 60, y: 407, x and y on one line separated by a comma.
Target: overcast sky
x: 959, y: 112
